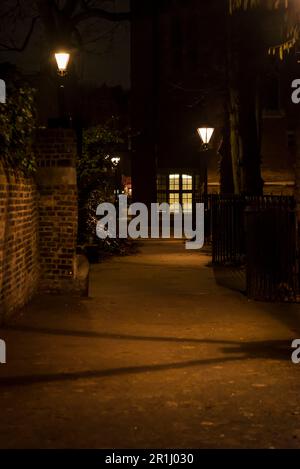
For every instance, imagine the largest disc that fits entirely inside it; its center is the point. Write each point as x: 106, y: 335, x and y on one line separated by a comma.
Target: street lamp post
x: 62, y: 59
x: 205, y: 133
x: 115, y: 162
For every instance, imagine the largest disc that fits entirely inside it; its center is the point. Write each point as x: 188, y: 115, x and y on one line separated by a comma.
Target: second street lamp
x: 115, y: 162
x: 205, y: 133
x: 62, y: 59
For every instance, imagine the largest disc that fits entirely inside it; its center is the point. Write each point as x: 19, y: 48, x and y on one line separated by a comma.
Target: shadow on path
x: 113, y: 336
x: 271, y: 350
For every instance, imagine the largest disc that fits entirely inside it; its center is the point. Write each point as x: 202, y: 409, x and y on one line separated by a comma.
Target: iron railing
x: 261, y: 234
x: 271, y: 247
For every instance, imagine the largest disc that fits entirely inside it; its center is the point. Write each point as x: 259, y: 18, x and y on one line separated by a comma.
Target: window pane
x: 161, y: 183
x: 161, y: 197
x: 187, y: 182
x: 174, y: 180
x: 187, y: 203
x: 174, y: 201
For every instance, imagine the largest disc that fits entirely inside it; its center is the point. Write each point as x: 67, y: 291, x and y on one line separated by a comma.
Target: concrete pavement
x: 159, y: 356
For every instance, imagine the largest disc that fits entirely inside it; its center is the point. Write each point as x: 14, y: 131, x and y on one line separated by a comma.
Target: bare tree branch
x: 48, y: 16
x: 99, y: 13
x: 62, y: 20
x: 27, y: 38
x: 70, y: 7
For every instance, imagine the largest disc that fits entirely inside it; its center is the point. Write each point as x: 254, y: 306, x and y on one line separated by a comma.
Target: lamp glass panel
x: 206, y: 134
x: 62, y: 60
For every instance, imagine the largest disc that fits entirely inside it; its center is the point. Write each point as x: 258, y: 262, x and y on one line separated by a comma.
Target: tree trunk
x: 226, y: 173
x: 251, y: 181
x: 235, y: 141
x: 144, y: 99
x: 244, y: 111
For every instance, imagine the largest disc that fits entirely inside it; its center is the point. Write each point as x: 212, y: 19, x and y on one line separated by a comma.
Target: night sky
x: 104, y: 61
x: 110, y: 60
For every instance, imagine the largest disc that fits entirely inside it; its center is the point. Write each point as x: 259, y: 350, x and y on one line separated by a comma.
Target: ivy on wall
x: 17, y: 123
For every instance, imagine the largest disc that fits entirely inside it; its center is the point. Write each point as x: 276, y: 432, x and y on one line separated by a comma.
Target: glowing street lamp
x: 62, y: 61
x: 205, y: 133
x: 115, y: 161
x: 62, y: 58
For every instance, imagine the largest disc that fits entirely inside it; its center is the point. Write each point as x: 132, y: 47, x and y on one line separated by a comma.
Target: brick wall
x: 56, y: 178
x: 19, y: 260
x: 38, y: 224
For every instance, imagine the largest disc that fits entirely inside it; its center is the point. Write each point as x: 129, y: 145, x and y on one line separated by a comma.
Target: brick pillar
x: 56, y: 178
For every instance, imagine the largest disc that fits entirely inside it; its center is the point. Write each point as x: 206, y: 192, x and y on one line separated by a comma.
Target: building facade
x: 178, y: 54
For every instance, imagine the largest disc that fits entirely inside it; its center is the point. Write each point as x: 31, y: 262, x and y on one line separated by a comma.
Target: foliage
x: 246, y: 4
x: 255, y: 26
x: 100, y: 144
x: 100, y: 249
x: 95, y: 172
x: 290, y: 31
x: 17, y: 124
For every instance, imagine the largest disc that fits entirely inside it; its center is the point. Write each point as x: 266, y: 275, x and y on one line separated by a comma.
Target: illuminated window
x: 187, y: 203
x: 187, y: 182
x: 177, y: 190
x: 174, y: 182
x: 174, y: 201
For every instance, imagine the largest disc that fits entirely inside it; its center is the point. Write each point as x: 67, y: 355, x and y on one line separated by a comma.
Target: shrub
x: 17, y: 122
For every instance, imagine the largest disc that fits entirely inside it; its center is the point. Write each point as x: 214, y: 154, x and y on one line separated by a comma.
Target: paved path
x: 159, y: 356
